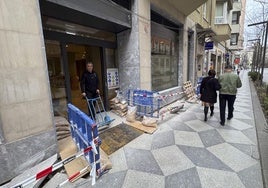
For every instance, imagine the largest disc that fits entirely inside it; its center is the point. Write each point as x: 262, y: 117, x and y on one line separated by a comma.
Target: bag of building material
x: 114, y: 101
x: 131, y: 113
x: 105, y: 161
x: 149, y: 121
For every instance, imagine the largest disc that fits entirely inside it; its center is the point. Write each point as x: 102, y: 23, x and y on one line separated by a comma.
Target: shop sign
x: 209, y: 45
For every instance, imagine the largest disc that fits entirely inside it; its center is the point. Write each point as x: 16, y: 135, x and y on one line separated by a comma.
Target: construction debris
x: 190, y: 92
x: 67, y: 147
x: 32, y: 173
x: 140, y: 126
x: 119, y: 107
x: 62, y: 127
x: 149, y: 121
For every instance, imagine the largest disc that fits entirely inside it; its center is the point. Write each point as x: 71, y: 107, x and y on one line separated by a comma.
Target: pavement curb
x: 262, y: 135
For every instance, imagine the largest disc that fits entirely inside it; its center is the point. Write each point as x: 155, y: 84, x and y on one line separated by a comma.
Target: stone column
x: 26, y: 124
x: 134, y: 49
x: 145, y: 44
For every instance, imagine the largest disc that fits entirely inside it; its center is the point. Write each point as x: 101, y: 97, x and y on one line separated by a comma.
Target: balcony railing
x: 220, y: 20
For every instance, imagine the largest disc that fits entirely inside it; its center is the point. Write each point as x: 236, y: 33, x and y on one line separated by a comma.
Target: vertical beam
x: 264, y: 52
x: 64, y: 60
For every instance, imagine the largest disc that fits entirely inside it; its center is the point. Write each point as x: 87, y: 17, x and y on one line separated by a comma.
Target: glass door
x: 77, y: 56
x: 56, y: 77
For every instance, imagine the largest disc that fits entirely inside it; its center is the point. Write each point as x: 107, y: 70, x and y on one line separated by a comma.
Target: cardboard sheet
x: 138, y: 125
x: 67, y: 148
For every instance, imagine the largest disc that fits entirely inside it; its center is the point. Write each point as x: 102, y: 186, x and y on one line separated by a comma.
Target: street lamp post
x: 265, y: 41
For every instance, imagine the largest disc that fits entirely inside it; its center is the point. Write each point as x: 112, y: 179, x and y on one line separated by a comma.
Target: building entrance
x: 78, y: 55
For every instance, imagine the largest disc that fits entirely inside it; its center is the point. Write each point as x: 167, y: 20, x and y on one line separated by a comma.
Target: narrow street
x: 188, y: 152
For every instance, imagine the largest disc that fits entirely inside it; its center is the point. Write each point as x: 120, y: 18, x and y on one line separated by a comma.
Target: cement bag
x: 131, y: 113
x: 149, y: 121
x: 105, y: 161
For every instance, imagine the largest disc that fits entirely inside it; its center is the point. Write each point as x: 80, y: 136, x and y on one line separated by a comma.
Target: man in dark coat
x: 90, y: 87
x: 208, y: 89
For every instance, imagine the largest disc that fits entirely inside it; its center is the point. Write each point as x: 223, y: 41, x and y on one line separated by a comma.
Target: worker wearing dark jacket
x: 208, y: 89
x: 90, y: 86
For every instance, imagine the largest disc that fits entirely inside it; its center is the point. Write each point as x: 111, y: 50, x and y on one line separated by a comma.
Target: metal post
x: 264, y: 52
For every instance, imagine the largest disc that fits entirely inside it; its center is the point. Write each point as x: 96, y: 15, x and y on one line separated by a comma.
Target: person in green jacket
x: 229, y: 83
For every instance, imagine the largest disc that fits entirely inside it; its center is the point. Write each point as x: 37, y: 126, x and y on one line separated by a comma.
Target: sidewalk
x: 187, y: 152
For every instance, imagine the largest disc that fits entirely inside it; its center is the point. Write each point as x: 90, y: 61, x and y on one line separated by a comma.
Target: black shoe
x: 222, y: 123
x: 205, y: 119
x: 229, y: 118
x: 211, y: 113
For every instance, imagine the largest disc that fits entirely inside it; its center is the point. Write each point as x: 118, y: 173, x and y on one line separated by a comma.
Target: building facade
x: 147, y: 44
x: 235, y: 44
x: 213, y: 30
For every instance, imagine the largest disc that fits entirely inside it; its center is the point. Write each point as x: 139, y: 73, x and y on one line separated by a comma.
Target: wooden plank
x: 138, y: 125
x: 67, y: 147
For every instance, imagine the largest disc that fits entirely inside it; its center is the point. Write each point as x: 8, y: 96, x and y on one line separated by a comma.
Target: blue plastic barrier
x: 199, y: 85
x: 85, y: 133
x: 145, y: 101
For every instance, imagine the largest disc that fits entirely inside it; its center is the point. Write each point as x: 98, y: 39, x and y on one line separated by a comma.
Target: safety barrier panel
x: 50, y: 169
x: 147, y: 102
x: 85, y: 133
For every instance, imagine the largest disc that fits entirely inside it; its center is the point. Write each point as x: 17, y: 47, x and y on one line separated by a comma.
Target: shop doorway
x: 77, y: 56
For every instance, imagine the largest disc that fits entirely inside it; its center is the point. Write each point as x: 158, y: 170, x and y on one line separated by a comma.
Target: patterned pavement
x: 187, y: 152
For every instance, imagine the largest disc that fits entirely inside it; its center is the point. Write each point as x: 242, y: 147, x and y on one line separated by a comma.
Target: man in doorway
x: 90, y: 87
x: 229, y: 83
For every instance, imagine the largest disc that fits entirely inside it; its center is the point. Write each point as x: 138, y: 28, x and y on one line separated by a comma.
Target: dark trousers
x: 230, y: 99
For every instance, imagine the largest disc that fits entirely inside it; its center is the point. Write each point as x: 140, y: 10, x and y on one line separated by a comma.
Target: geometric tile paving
x: 203, y: 158
x: 211, y: 138
x: 179, y: 126
x: 188, y: 178
x: 143, y: 180
x: 163, y: 139
x: 171, y: 160
x: 187, y: 152
x: 234, y: 136
x: 142, y: 160
x: 188, y: 139
x: 240, y: 115
x: 251, y: 177
x: 211, y: 178
x: 198, y: 125
x: 239, y: 125
x: 231, y: 156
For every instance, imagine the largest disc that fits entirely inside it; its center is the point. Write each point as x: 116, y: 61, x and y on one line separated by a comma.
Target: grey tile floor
x: 187, y: 152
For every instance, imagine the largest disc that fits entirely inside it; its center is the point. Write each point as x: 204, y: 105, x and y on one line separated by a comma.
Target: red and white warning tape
x: 71, y: 178
x: 171, y: 95
x: 56, y: 166
x: 92, y: 171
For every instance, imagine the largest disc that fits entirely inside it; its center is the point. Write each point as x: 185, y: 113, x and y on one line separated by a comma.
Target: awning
x: 186, y: 7
x: 94, y: 13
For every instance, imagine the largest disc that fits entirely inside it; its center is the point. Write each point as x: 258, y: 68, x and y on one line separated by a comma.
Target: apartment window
x: 234, y: 39
x: 221, y: 13
x: 235, y: 17
x: 219, y: 9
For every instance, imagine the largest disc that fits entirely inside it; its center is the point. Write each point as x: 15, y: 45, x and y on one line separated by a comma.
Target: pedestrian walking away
x: 90, y: 87
x: 208, y: 88
x: 229, y: 82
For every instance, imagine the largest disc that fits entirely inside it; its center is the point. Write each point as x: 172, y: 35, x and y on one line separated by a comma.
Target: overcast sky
x: 254, y: 14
